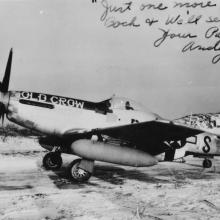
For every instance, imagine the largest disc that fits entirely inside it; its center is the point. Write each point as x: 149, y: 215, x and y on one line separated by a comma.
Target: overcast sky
x: 61, y: 47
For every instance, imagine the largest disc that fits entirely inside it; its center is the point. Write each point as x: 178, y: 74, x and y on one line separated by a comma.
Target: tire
x: 207, y: 163
x: 52, y: 161
x: 76, y: 174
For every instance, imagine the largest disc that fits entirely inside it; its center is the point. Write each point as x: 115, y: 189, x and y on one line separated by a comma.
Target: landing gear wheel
x: 52, y: 161
x: 207, y: 163
x: 77, y: 174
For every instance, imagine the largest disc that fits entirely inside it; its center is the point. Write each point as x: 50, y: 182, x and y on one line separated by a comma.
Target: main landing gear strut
x: 80, y: 170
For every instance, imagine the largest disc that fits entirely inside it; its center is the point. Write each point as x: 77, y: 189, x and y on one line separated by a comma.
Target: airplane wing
x: 148, y: 136
x: 164, y: 130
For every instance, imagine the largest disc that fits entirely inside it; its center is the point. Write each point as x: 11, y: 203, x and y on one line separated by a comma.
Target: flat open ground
x: 165, y: 191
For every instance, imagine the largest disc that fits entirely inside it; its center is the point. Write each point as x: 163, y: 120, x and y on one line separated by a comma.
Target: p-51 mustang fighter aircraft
x: 116, y: 130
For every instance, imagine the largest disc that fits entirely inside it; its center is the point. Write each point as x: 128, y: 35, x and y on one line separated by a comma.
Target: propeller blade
x: 5, y: 82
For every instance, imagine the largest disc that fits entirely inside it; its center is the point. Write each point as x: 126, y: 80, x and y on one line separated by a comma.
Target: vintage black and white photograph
x: 109, y: 109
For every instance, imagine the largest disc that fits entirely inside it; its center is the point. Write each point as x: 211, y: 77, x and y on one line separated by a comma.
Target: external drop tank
x: 105, y: 152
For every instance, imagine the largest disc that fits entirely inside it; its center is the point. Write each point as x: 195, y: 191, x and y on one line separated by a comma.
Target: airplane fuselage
x: 52, y: 114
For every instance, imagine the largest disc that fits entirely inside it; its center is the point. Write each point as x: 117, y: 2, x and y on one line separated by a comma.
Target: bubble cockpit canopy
x: 125, y: 104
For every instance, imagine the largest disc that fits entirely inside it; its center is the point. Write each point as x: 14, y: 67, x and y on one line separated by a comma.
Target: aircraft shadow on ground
x: 118, y: 176
x: 191, y: 164
x: 13, y: 187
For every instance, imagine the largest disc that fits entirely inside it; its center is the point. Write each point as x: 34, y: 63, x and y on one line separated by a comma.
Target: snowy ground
x: 165, y: 191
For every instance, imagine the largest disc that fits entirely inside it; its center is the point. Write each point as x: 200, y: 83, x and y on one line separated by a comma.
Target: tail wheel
x: 207, y: 163
x: 52, y: 161
x: 76, y: 173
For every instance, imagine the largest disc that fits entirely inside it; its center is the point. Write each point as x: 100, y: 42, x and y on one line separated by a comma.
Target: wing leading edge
x: 163, y: 130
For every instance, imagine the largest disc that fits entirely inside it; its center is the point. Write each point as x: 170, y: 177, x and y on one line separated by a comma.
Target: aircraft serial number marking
x: 51, y: 99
